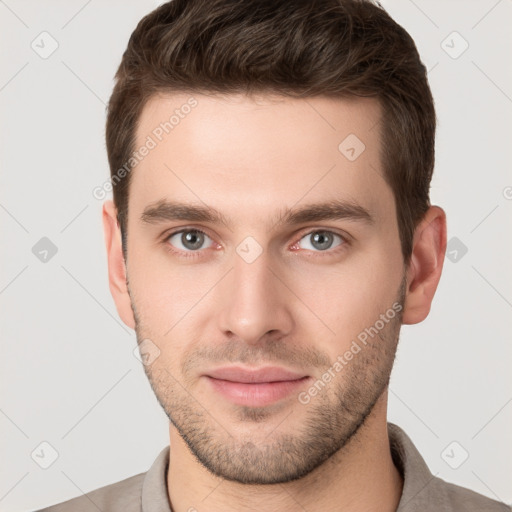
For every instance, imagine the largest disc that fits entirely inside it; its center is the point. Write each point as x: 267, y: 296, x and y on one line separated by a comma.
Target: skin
x: 298, y: 305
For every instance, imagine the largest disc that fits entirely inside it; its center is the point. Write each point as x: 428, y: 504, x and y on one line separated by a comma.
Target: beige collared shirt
x: 422, y: 491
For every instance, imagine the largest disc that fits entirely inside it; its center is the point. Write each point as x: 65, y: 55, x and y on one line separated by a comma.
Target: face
x: 265, y: 271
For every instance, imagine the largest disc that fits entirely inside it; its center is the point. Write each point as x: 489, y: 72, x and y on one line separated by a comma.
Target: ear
x: 426, y: 265
x: 116, y: 264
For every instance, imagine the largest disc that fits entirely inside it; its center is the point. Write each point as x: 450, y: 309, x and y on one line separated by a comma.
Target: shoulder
x: 425, y: 492
x: 122, y: 496
x: 460, y: 498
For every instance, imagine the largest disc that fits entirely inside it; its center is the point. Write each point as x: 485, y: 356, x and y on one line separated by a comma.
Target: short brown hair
x: 305, y: 48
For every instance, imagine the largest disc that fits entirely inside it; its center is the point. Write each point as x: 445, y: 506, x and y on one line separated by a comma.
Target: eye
x: 189, y: 240
x: 320, y: 240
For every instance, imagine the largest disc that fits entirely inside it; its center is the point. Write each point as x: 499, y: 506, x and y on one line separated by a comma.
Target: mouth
x: 255, y: 387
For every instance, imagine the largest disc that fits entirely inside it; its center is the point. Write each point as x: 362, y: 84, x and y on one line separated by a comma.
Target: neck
x: 359, y: 477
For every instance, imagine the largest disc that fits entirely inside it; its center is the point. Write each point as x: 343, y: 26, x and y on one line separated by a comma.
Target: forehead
x: 248, y: 155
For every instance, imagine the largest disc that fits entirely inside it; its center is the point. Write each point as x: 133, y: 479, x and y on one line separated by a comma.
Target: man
x: 271, y: 230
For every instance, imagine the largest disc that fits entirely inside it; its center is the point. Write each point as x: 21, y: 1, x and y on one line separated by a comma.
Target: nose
x: 253, y: 301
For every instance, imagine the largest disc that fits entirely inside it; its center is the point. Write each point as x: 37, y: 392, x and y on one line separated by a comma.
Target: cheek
x: 347, y: 298
x: 164, y: 292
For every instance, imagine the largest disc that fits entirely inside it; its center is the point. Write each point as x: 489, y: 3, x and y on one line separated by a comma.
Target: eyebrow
x: 164, y: 210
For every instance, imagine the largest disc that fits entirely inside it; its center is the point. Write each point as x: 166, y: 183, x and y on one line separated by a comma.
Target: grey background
x: 68, y: 373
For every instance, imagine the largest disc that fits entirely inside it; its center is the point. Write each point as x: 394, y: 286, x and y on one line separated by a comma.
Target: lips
x: 255, y: 387
x: 254, y: 376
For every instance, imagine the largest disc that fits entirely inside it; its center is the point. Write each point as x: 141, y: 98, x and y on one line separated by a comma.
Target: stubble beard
x: 293, y: 450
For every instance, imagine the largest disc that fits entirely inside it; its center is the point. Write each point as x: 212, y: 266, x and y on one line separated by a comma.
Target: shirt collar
x: 154, y: 489
x: 421, y: 491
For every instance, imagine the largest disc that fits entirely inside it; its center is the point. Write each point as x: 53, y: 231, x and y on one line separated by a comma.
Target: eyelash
x: 195, y: 254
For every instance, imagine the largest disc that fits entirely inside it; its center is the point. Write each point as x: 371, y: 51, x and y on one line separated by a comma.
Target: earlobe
x: 426, y: 265
x: 116, y: 264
